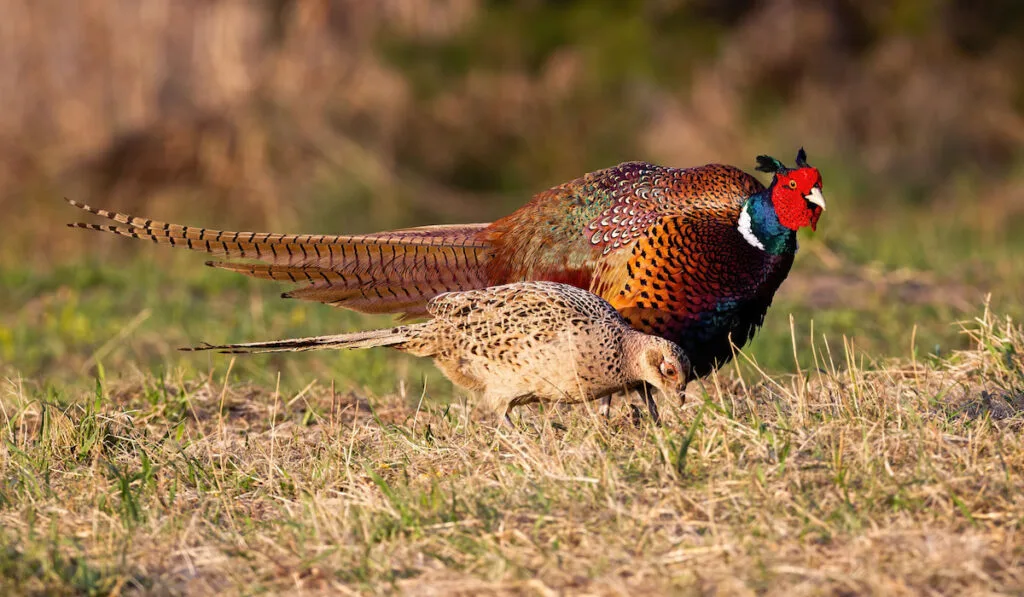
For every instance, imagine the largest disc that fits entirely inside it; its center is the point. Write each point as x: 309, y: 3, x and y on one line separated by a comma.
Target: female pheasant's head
x: 659, y: 362
x: 795, y: 193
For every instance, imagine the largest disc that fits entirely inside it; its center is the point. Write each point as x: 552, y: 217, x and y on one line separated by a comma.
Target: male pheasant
x: 521, y: 343
x: 692, y: 255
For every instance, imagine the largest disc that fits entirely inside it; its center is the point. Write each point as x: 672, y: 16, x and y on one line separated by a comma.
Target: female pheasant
x: 521, y: 343
x: 692, y: 255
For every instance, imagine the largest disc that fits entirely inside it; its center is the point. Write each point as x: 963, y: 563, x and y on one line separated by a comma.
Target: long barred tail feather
x: 394, y: 337
x: 396, y: 271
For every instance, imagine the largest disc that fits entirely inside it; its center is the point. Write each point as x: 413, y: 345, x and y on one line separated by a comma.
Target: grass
x: 839, y: 479
x: 64, y: 322
x: 864, y: 443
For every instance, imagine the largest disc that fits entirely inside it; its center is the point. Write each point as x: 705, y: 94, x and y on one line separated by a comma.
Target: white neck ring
x: 747, y: 231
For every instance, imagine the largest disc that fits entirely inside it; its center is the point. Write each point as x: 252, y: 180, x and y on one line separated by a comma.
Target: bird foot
x: 637, y: 414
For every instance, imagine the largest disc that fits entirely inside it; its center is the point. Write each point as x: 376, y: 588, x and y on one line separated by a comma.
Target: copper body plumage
x: 692, y: 255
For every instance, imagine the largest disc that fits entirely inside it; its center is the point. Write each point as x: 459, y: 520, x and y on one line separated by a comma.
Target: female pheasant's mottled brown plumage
x: 693, y: 255
x: 521, y: 343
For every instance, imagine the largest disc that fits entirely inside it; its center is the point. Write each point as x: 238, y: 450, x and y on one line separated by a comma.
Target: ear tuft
x: 801, y: 158
x: 766, y: 163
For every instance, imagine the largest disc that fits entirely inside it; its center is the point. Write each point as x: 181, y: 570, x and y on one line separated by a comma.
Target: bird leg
x: 646, y: 392
x: 502, y: 406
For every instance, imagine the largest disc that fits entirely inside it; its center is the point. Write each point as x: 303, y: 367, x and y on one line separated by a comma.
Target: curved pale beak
x: 816, y: 197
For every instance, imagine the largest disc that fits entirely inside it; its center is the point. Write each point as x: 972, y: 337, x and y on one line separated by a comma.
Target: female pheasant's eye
x: 668, y: 370
x: 792, y: 184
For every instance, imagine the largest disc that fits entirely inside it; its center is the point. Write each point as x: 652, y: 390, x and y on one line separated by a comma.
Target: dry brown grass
x: 902, y: 479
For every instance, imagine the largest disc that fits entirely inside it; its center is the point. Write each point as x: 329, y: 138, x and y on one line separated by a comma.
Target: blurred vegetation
x: 351, y: 116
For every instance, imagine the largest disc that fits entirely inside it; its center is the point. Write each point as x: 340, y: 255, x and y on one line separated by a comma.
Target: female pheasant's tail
x: 388, y: 272
x: 394, y: 337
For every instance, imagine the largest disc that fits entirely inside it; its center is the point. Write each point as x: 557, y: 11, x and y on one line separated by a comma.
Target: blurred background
x: 353, y: 116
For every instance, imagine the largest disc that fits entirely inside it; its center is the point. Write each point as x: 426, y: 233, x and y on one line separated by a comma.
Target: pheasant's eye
x: 668, y: 370
x: 792, y: 183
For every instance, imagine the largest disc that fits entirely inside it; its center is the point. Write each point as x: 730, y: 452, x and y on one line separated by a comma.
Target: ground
x: 839, y: 478
x: 867, y: 442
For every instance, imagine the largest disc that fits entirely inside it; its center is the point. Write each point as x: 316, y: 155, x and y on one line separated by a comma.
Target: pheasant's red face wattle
x: 797, y: 198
